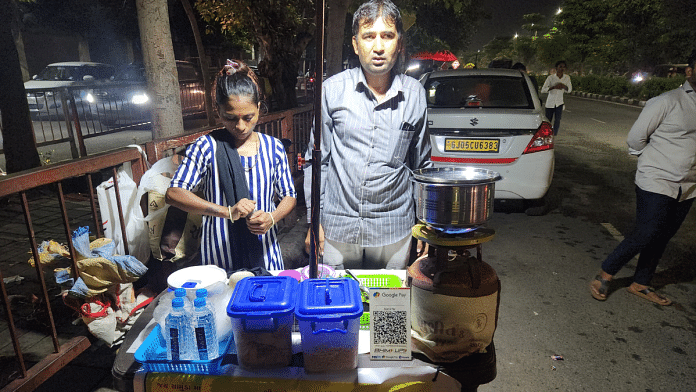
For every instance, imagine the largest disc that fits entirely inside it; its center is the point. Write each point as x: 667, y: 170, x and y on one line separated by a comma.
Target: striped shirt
x: 367, y: 194
x: 267, y: 173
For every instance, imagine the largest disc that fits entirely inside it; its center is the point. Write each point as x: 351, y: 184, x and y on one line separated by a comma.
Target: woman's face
x: 239, y: 115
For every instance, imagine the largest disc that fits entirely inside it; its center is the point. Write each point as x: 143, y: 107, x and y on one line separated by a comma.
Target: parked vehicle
x: 42, y: 89
x: 492, y: 119
x: 125, y: 100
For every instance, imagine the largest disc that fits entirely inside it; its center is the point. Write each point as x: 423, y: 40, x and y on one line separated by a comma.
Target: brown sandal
x: 599, y: 293
x: 650, y: 295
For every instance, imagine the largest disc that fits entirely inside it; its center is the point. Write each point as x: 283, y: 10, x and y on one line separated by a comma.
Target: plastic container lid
x: 329, y: 299
x: 196, y: 277
x: 263, y: 297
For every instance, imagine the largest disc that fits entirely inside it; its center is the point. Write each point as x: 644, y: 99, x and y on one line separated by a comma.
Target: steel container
x: 454, y: 197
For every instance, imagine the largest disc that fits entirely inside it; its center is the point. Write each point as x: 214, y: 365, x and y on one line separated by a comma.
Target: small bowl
x: 323, y: 271
x: 292, y: 273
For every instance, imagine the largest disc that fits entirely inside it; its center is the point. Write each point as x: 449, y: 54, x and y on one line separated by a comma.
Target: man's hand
x: 560, y: 86
x: 320, y: 240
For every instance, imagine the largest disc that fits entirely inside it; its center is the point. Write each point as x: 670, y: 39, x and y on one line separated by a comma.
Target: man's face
x: 377, y: 45
x: 560, y: 70
x: 691, y: 76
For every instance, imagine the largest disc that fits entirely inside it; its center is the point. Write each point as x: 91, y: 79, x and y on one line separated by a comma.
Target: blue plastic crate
x: 152, y: 354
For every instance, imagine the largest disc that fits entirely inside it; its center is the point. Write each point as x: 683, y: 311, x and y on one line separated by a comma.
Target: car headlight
x: 90, y: 98
x: 139, y: 99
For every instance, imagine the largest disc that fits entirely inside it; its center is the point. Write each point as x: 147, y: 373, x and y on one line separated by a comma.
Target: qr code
x: 389, y: 327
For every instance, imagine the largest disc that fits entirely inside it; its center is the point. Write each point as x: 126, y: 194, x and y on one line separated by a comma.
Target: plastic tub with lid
x: 261, y: 309
x: 196, y: 277
x: 328, y: 312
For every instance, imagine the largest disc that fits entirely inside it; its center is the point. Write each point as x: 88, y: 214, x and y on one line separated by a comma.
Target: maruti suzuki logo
x: 474, y: 122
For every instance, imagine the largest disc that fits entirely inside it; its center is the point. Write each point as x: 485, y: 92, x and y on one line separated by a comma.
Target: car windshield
x: 478, y: 91
x: 131, y: 74
x: 74, y: 72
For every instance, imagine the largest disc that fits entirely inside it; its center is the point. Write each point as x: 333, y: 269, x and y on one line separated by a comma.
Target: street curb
x: 610, y: 98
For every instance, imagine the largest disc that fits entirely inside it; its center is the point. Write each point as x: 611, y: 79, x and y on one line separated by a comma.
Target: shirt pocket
x: 401, y: 143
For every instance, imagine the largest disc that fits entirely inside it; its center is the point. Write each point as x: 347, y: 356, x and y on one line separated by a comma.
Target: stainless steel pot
x: 454, y: 197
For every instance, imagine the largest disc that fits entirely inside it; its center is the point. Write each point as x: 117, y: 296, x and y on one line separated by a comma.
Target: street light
x: 559, y: 11
x: 476, y: 61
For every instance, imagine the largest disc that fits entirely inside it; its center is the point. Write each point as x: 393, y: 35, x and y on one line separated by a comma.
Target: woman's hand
x: 242, y: 209
x: 260, y: 222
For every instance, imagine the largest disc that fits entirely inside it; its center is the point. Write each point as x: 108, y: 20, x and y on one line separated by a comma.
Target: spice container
x: 328, y: 311
x: 261, y: 309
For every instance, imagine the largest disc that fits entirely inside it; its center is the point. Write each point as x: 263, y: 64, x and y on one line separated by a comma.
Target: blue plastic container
x: 328, y: 311
x: 261, y: 309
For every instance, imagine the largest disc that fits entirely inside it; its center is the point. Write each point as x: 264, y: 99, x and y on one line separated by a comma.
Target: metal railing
x: 294, y: 125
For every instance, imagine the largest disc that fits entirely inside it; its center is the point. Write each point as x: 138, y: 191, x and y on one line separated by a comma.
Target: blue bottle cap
x: 180, y: 292
x: 201, y: 293
x: 178, y: 303
x: 199, y: 302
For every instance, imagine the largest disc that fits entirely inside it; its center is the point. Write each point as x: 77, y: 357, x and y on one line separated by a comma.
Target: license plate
x: 472, y: 145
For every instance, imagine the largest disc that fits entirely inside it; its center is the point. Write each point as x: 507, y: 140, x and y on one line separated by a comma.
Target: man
x: 373, y: 131
x: 664, y: 138
x: 556, y: 85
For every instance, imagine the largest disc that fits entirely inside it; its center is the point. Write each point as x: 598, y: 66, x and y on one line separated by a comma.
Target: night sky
x: 507, y: 18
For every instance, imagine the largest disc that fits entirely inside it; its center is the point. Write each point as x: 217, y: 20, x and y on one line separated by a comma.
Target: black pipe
x: 316, y: 150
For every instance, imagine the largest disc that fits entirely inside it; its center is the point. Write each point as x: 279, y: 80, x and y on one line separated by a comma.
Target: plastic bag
x: 136, y: 228
x: 174, y: 235
x: 99, y: 267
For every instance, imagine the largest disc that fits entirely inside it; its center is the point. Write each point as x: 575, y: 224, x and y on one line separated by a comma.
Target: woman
x: 239, y: 171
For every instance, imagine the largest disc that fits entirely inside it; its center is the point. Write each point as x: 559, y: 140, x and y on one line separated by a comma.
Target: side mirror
x: 88, y: 78
x: 34, y: 77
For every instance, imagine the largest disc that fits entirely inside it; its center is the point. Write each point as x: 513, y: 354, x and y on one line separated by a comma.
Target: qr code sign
x: 389, y: 327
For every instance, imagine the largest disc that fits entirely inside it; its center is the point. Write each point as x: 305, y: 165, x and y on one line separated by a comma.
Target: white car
x: 492, y: 119
x: 44, y: 89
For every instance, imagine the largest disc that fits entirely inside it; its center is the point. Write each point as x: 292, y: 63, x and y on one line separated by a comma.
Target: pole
x: 316, y: 149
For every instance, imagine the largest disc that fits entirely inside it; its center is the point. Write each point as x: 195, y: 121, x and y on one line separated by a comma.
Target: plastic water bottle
x: 178, y: 332
x: 205, y: 330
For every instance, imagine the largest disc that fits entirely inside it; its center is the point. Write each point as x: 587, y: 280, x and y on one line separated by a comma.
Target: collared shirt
x: 664, y: 137
x: 555, y: 97
x: 367, y: 194
x: 267, y: 174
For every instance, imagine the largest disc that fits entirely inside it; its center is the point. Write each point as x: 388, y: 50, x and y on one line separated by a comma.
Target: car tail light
x: 542, y: 140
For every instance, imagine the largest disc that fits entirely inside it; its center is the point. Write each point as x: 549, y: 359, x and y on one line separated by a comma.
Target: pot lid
x: 466, y: 175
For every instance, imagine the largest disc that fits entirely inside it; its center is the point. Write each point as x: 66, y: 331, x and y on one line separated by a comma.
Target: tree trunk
x: 203, y: 61
x: 19, y: 43
x: 19, y: 142
x: 160, y: 68
x: 335, y: 30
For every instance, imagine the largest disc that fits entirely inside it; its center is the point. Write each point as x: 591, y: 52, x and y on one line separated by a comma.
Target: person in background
x: 556, y: 85
x: 373, y: 132
x: 240, y: 172
x: 522, y: 68
x: 664, y: 139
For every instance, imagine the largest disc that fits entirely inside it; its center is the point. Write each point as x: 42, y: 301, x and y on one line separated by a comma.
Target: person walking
x: 556, y: 85
x: 664, y: 139
x: 373, y: 132
x: 240, y: 172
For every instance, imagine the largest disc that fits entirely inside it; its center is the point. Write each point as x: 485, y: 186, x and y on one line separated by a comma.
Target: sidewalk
x: 611, y: 98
